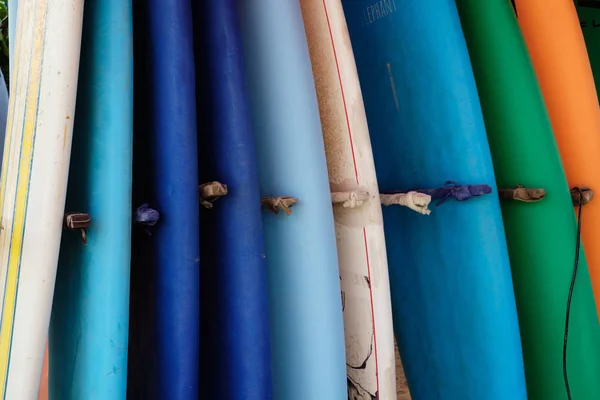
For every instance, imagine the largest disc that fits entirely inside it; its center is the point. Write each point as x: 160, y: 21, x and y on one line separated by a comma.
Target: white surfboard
x: 370, y: 362
x: 33, y: 183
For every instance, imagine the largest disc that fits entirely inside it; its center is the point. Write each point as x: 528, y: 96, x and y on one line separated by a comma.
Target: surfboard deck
x: 541, y: 236
x: 34, y: 183
x: 307, y: 336
x: 454, y: 311
x: 562, y: 66
x: 235, y: 317
x: 90, y: 317
x: 369, y: 335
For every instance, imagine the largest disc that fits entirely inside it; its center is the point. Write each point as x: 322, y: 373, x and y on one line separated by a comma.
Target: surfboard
x: 165, y: 305
x: 454, y: 310
x: 541, y: 235
x: 43, y: 391
x: 3, y: 112
x: 307, y: 334
x: 12, y: 29
x: 142, y: 363
x: 366, y: 302
x: 234, y: 294
x: 561, y: 63
x: 88, y: 337
x: 3, y: 109
x: 13, y: 6
x: 35, y: 169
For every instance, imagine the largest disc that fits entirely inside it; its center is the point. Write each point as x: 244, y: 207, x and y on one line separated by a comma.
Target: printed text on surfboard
x: 378, y: 10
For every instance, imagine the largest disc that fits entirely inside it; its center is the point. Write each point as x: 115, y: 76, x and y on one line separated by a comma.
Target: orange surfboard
x: 557, y: 48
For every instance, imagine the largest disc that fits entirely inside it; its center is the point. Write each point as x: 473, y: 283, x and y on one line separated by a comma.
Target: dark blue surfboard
x: 235, y: 350
x: 165, y: 269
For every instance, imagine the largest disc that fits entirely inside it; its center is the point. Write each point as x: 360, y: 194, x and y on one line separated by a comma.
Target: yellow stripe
x: 12, y: 135
x: 14, y: 131
x: 16, y: 239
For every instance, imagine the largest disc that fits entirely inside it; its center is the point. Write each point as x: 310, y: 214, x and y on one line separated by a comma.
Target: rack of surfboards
x: 255, y: 199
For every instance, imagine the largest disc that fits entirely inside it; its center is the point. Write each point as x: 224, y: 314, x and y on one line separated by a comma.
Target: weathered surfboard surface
x: 33, y: 184
x: 362, y: 257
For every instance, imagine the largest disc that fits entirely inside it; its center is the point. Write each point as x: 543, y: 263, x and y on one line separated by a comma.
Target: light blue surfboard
x: 90, y: 316
x: 13, y: 5
x: 3, y: 112
x: 307, y: 336
x: 453, y: 303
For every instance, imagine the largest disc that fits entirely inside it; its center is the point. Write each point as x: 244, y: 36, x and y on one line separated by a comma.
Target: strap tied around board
x: 581, y: 195
x: 461, y: 193
x: 414, y: 200
x: 275, y: 204
x: 78, y: 221
x: 349, y: 199
x: 451, y: 190
x: 211, y: 192
x: 520, y: 193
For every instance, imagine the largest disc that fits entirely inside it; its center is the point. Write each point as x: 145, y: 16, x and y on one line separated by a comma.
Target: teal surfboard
x: 90, y: 315
x: 454, y: 310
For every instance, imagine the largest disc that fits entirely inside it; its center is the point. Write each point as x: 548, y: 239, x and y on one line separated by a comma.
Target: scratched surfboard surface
x: 33, y: 184
x: 453, y: 304
x: 369, y: 336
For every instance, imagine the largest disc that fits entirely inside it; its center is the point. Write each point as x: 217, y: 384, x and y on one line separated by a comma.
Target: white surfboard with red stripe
x: 357, y: 209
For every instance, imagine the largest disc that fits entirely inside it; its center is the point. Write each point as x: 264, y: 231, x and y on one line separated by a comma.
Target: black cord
x: 577, y: 248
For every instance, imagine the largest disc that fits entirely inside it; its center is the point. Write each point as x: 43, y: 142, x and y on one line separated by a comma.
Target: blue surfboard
x: 13, y: 6
x: 453, y: 303
x: 3, y: 111
x: 235, y: 348
x: 165, y: 268
x: 307, y: 333
x: 90, y: 316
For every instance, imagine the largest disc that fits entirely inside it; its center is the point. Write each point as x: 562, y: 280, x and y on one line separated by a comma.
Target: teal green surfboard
x: 541, y: 236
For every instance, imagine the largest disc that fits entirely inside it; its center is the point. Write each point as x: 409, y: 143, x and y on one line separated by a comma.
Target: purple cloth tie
x: 145, y: 215
x: 451, y: 190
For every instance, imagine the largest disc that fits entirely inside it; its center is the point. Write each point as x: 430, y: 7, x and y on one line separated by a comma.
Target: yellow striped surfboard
x: 33, y: 184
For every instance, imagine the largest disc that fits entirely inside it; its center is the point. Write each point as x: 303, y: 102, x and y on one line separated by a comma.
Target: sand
x: 401, y: 385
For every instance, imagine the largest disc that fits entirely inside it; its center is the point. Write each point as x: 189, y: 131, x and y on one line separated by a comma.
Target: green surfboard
x: 541, y: 235
x: 589, y: 17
